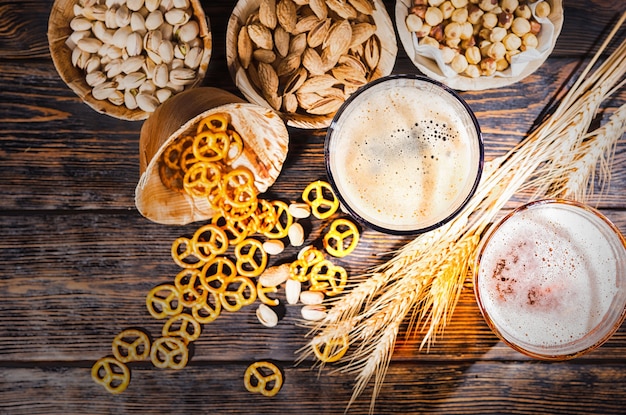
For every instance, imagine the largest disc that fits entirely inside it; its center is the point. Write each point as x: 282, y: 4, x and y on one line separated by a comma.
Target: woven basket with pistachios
x: 125, y: 57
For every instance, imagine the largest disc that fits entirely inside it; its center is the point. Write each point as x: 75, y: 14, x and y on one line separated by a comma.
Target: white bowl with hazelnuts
x: 478, y: 44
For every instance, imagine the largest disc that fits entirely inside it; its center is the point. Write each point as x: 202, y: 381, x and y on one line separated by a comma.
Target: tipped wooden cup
x: 263, y: 132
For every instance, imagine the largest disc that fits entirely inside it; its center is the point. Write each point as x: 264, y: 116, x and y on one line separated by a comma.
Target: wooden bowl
x: 59, y: 31
x: 427, y: 58
x: 264, y: 134
x: 248, y: 84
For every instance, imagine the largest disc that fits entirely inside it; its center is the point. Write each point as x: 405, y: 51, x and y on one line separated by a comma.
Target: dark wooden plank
x: 57, y: 153
x: 420, y: 388
x: 72, y: 282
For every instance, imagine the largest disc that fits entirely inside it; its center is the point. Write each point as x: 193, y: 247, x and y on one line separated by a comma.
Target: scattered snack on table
x: 131, y: 345
x: 331, y: 350
x: 264, y: 378
x: 341, y: 238
x: 209, y: 281
x: 320, y: 197
x: 112, y: 374
x: 169, y: 353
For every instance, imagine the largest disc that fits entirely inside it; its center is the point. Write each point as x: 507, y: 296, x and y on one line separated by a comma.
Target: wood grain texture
x: 78, y: 259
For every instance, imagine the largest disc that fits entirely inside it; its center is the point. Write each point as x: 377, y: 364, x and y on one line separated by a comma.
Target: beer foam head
x: 404, y: 154
x: 550, y: 279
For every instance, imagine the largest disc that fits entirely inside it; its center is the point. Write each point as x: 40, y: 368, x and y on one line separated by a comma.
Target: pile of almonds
x: 308, y: 56
x: 136, y: 53
x: 477, y: 37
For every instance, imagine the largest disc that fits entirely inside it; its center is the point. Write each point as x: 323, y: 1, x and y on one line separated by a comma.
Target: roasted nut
x: 529, y: 41
x: 292, y: 291
x: 542, y: 9
x: 274, y: 276
x: 413, y: 22
x: 266, y: 315
x: 472, y: 55
x: 459, y: 63
x: 520, y: 26
x: 512, y: 42
x: 296, y: 234
x: 433, y: 16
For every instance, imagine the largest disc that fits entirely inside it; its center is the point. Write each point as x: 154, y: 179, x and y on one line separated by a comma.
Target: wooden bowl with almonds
x: 303, y: 58
x: 125, y: 58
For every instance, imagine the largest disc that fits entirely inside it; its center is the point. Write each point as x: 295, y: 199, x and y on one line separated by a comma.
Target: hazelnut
x: 474, y: 14
x: 542, y: 9
x: 446, y: 9
x: 511, y: 41
x: 529, y: 41
x: 459, y: 63
x: 523, y: 11
x: 501, y: 64
x: 414, y: 22
x: 459, y: 3
x: 488, y: 5
x: 490, y: 20
x: 473, y: 71
x: 467, y: 30
x: 497, y: 34
x: 535, y: 27
x: 436, y: 32
x: 505, y: 20
x: 429, y: 41
x: 459, y: 15
x: 434, y: 16
x: 509, y: 6
x: 435, y: 3
x: 472, y: 54
x: 452, y: 30
x: 424, y: 31
x: 488, y: 66
x: 419, y: 11
x: 520, y: 26
x: 447, y: 54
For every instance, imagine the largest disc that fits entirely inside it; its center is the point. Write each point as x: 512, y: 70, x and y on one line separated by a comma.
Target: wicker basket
x: 264, y: 134
x: 242, y: 14
x: 59, y: 31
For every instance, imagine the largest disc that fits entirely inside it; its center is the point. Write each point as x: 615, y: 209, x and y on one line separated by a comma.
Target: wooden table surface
x: 77, y: 260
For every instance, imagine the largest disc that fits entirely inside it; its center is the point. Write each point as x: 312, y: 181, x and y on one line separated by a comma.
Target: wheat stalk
x: 424, y: 279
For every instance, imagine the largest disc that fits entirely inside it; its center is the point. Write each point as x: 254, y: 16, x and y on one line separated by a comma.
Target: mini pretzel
x: 261, y: 292
x: 202, y: 179
x: 311, y: 255
x: 331, y: 350
x: 183, y: 326
x: 235, y: 148
x: 264, y: 378
x: 341, y: 238
x: 239, y: 188
x: 188, y: 284
x: 320, y: 196
x: 211, y: 146
x: 241, y: 291
x: 299, y: 270
x: 169, y: 353
x: 164, y: 301
x: 184, y: 255
x: 213, y: 122
x: 267, y: 216
x: 215, y: 275
x: 131, y: 345
x: 112, y: 374
x: 207, y: 310
x: 284, y: 220
x: 235, y: 230
x: 251, y: 257
x: 208, y: 241
x: 327, y: 277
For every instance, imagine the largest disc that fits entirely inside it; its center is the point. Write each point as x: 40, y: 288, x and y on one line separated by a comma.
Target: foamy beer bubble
x: 550, y: 279
x: 404, y: 154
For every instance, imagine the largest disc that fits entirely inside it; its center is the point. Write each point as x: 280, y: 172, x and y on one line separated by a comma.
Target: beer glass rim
x: 345, y: 204
x: 604, y: 330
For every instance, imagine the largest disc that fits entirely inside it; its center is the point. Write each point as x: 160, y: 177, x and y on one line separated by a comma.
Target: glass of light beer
x: 550, y: 279
x: 404, y: 154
